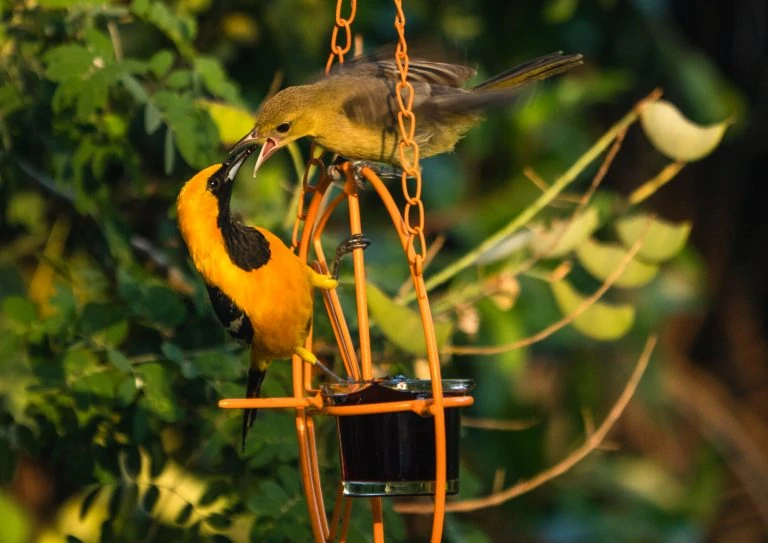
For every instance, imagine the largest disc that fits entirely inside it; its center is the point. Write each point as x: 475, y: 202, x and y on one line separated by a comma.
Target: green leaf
x: 69, y: 61
x: 677, y: 137
x: 215, y: 78
x: 273, y: 490
x: 600, y: 321
x: 119, y: 360
x: 602, y: 259
x: 102, y: 384
x: 169, y: 155
x: 577, y: 232
x: 172, y: 352
x: 161, y: 62
x: 179, y: 79
x: 263, y: 506
x: 19, y: 310
x: 140, y: 7
x: 156, y: 385
x: 79, y: 362
x: 232, y: 122
x: 100, y: 44
x: 401, y: 325
x: 126, y: 391
x: 73, y: 539
x: 135, y: 88
x: 152, y: 118
x: 662, y: 241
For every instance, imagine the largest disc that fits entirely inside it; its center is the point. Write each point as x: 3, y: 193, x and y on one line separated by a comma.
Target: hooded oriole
x: 260, y: 291
x: 353, y: 111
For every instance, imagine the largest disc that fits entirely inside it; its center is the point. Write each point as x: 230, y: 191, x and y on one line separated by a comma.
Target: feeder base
x: 396, y: 488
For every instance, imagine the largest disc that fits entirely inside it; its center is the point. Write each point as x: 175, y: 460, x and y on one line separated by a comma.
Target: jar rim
x: 399, y: 383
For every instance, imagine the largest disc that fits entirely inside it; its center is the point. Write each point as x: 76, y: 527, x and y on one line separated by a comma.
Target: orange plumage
x: 260, y: 290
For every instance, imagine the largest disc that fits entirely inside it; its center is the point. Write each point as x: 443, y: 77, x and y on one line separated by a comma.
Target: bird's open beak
x: 267, y: 148
x: 236, y: 159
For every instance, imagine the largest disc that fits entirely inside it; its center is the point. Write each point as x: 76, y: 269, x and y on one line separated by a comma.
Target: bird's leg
x: 311, y: 359
x: 384, y: 171
x: 328, y: 282
x: 355, y: 241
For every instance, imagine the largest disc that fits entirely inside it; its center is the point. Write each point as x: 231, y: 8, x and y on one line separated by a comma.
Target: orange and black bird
x: 353, y: 111
x: 260, y: 290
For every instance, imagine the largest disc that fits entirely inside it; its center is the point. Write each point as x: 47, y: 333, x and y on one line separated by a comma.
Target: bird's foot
x: 384, y: 171
x: 355, y: 241
x: 308, y: 357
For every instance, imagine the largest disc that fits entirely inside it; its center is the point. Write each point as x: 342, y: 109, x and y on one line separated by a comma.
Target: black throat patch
x: 247, y: 248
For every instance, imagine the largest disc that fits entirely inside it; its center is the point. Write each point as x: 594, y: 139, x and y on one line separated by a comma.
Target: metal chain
x: 409, y: 151
x: 345, y: 23
x: 337, y: 51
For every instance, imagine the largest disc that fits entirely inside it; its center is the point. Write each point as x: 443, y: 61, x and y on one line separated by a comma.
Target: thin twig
x: 589, y: 445
x: 566, y: 320
x: 649, y: 188
x: 562, y: 200
x: 117, y: 44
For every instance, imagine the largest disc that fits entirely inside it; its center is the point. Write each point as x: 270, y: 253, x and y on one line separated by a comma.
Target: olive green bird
x: 353, y: 111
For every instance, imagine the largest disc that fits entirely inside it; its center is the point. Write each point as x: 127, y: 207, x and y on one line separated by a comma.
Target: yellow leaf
x: 677, y: 137
x: 233, y: 122
x: 578, y: 230
x: 602, y: 259
x: 663, y: 241
x: 600, y: 321
x: 401, y: 325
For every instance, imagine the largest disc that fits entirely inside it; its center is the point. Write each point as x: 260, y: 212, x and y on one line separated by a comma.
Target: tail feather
x: 528, y: 72
x: 256, y: 373
x: 504, y: 88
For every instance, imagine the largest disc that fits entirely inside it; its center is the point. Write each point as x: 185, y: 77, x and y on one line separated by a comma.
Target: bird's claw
x: 355, y: 241
x: 384, y: 171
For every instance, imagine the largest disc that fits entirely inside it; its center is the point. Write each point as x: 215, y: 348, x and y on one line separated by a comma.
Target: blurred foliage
x: 112, y: 359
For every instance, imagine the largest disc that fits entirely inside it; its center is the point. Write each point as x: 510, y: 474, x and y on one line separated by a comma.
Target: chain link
x: 337, y: 51
x: 409, y: 151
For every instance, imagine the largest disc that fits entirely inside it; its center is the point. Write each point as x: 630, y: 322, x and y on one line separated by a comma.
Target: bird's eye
x: 213, y: 184
x: 283, y: 127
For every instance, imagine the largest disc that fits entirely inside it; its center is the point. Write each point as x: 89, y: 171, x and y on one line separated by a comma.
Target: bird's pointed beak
x: 236, y: 159
x: 268, y: 147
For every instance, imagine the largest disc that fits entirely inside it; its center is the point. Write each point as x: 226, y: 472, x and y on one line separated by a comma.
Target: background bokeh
x: 111, y: 361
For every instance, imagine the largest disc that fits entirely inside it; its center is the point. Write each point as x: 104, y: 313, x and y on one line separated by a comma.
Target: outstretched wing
x: 419, y: 70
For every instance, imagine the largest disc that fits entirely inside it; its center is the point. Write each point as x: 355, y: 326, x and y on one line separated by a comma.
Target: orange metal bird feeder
x: 411, y: 406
